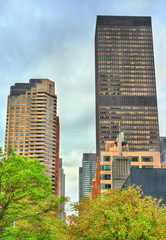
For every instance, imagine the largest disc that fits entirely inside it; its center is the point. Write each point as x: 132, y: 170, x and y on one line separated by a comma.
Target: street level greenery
x: 29, y: 209
x: 120, y: 214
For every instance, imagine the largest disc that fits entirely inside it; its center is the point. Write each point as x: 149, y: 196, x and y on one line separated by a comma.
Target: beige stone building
x: 31, y: 122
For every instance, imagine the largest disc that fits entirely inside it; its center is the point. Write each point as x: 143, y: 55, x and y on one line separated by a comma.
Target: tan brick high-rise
x: 31, y: 122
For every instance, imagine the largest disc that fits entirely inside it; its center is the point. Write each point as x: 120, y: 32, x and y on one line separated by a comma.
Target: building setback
x: 86, y: 173
x: 31, y: 122
x: 125, y: 82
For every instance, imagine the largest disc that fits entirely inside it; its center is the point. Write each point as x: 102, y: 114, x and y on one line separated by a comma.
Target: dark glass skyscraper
x: 125, y: 82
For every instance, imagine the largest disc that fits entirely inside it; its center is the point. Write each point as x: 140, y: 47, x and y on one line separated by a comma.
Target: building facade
x: 125, y: 83
x: 113, y: 165
x: 86, y: 174
x: 31, y: 122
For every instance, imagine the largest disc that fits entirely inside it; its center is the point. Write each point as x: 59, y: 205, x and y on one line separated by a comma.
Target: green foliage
x: 27, y: 201
x: 121, y: 214
x: 29, y: 210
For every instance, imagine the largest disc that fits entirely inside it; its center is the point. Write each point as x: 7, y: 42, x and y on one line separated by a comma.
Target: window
x: 147, y: 159
x: 50, y: 88
x: 107, y: 159
x: 147, y: 166
x: 134, y: 159
x: 105, y: 186
x: 105, y: 177
x: 105, y: 167
x: 135, y: 166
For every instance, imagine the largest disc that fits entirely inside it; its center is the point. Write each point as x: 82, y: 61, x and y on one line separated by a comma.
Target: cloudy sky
x: 55, y: 39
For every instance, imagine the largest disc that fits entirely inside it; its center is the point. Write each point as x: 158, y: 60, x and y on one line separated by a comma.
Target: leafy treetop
x: 27, y: 201
x: 120, y: 214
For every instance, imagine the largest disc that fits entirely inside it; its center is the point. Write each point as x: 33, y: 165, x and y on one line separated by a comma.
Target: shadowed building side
x: 163, y: 149
x: 57, y: 157
x: 152, y: 182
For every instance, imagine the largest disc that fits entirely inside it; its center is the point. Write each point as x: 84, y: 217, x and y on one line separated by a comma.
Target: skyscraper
x: 31, y: 122
x: 86, y: 173
x: 125, y: 82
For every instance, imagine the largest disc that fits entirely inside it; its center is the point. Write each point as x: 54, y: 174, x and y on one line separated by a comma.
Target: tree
x: 120, y: 214
x: 28, y: 207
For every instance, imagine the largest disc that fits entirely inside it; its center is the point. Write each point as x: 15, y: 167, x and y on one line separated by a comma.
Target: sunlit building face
x: 32, y: 122
x: 125, y: 82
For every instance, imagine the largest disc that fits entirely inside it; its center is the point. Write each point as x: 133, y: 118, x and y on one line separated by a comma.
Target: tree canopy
x: 120, y: 214
x: 28, y: 207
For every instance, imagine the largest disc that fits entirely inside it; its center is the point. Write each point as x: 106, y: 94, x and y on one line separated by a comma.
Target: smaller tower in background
x: 80, y: 184
x: 61, y: 190
x: 163, y: 149
x: 86, y: 173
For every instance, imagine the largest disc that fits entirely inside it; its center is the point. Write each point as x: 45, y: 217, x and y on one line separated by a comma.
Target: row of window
x: 128, y: 93
x: 108, y: 177
x: 105, y: 186
x: 133, y: 159
x: 136, y: 166
x: 143, y: 159
x: 105, y: 176
x: 105, y: 167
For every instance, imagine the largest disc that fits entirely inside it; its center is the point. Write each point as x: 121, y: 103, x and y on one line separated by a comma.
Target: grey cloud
x: 55, y: 39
